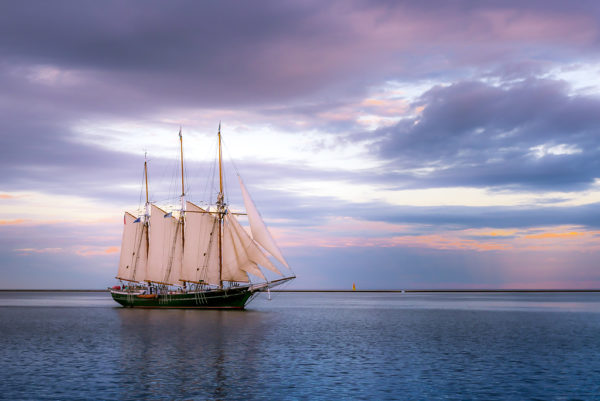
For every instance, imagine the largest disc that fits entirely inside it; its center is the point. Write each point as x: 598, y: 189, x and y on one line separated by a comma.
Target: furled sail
x: 260, y: 233
x: 166, y: 251
x: 236, y: 259
x: 201, y: 248
x: 133, y: 259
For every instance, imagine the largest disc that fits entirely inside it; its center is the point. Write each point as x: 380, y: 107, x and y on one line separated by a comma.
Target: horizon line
x: 450, y: 290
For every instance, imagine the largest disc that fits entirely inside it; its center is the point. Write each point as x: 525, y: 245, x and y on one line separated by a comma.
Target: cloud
x: 12, y: 222
x: 530, y: 134
x: 384, y: 96
x: 551, y: 235
x: 347, y: 232
x: 96, y: 251
x: 229, y: 53
x: 63, y: 236
x: 415, y: 268
x: 279, y: 62
x: 481, y: 217
x: 59, y: 255
x: 42, y: 250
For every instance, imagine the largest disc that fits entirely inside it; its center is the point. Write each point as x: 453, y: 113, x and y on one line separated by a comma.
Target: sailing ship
x: 198, y: 258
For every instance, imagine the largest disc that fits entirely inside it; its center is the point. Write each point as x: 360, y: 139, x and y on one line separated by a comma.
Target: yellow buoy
x: 353, y: 287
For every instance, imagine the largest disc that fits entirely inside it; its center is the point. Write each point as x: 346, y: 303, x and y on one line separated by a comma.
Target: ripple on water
x: 304, y: 346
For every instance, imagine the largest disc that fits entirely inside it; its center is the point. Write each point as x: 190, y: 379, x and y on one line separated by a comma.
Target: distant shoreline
x: 362, y: 291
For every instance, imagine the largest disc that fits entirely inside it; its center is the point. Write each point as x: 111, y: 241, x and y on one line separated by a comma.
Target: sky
x: 395, y: 145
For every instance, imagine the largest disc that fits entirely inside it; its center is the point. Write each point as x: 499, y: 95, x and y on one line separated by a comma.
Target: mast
x: 181, y: 216
x: 220, y: 165
x: 146, y: 180
x: 220, y: 211
x: 146, y: 206
x: 182, y: 187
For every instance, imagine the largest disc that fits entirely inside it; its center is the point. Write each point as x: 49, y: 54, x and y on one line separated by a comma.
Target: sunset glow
x: 405, y: 136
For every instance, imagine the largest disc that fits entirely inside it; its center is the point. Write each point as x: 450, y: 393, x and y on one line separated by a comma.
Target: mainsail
x: 166, y: 251
x: 200, y: 252
x: 133, y: 259
x: 237, y: 262
x: 260, y: 233
x: 248, y: 246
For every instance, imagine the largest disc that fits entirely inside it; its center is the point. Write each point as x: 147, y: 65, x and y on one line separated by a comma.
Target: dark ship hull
x: 225, y: 298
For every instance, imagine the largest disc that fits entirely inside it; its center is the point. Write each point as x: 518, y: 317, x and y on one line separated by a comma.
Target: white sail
x: 208, y: 247
x: 132, y: 262
x: 260, y: 233
x: 252, y: 250
x: 165, y: 253
x: 141, y: 263
x: 201, y: 249
x: 236, y: 260
x: 231, y: 270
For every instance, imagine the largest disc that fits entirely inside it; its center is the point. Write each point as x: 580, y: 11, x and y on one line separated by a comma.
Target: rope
x: 172, y: 254
x: 230, y: 158
x: 275, y: 294
x: 141, y: 191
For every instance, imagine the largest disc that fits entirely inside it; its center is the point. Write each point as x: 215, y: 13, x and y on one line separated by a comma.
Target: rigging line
x: 225, y: 188
x: 174, y: 185
x: 200, y: 170
x: 187, y: 185
x: 141, y: 191
x: 238, y: 173
x: 212, y: 183
x: 224, y: 181
x: 184, y: 173
x: 171, y: 255
x: 160, y: 180
x: 163, y: 200
x: 203, y: 168
x: 210, y: 187
x: 211, y: 245
x: 234, y: 167
x: 137, y: 251
x: 230, y: 158
x: 278, y: 293
x: 209, y: 165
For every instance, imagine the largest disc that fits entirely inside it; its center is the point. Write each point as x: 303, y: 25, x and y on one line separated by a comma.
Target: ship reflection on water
x: 211, y: 354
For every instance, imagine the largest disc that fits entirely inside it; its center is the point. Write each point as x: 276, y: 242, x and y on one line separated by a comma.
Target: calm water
x: 308, y: 346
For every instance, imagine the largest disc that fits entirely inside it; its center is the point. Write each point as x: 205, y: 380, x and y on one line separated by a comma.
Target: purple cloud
x: 476, y: 134
x: 292, y: 66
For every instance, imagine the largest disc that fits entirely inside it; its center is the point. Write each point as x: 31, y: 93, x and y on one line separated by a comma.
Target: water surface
x: 323, y: 346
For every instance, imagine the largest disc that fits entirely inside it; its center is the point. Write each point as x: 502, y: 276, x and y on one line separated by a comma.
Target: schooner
x: 202, y: 258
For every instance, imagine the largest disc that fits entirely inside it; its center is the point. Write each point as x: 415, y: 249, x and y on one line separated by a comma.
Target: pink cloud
x: 556, y: 235
x: 96, y: 251
x: 80, y: 250
x: 518, y: 25
x: 12, y: 222
x: 112, y: 249
x: 344, y: 232
x: 39, y: 250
